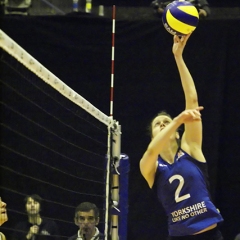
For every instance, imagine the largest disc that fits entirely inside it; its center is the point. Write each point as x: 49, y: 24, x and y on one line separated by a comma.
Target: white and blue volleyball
x: 180, y: 17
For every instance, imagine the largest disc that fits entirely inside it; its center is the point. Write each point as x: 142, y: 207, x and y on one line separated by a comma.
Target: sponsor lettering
x: 187, y: 212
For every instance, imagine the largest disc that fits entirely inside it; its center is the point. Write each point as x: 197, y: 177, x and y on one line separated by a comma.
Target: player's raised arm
x: 192, y: 137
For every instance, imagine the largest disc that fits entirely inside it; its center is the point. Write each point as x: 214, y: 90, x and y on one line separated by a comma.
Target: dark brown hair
x: 86, y: 207
x: 162, y: 113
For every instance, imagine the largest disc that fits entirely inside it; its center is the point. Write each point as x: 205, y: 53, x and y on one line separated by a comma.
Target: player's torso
x: 182, y: 189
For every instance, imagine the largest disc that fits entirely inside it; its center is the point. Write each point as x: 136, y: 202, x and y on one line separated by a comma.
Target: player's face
x: 32, y: 206
x: 87, y: 222
x: 3, y: 216
x: 159, y: 123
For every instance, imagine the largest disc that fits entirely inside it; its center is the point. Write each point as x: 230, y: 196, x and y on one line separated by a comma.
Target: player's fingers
x: 188, y: 36
x: 175, y: 39
x: 200, y: 108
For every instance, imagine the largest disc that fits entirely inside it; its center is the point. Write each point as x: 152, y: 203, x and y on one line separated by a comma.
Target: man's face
x: 86, y: 222
x: 32, y: 206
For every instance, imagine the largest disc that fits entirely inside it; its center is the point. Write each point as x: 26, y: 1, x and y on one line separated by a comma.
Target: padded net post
x: 120, y: 171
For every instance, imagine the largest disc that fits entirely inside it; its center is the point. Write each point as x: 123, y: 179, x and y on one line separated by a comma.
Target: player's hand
x: 179, y: 43
x: 189, y: 115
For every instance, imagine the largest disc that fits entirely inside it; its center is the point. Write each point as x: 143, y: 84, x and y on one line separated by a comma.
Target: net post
x: 123, y: 168
x: 116, y: 152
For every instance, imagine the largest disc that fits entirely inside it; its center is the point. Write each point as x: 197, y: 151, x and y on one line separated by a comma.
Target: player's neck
x: 169, y: 153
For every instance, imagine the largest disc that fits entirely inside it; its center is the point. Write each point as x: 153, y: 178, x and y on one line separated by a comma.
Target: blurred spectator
x: 87, y: 218
x: 201, y: 5
x: 35, y: 227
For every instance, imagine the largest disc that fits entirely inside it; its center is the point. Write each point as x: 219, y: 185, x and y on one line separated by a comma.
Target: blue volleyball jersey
x: 183, y: 191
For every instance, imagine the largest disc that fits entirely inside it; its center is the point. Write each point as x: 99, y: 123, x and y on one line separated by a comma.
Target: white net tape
x: 12, y: 48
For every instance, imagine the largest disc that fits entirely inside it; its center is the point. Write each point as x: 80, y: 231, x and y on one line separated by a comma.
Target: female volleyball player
x: 178, y: 169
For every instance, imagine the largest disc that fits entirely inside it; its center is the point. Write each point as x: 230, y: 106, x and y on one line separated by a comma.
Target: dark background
x: 138, y: 3
x: 213, y: 3
x: 77, y: 49
x: 131, y: 9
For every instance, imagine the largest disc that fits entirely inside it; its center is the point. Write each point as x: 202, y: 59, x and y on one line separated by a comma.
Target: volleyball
x: 180, y: 17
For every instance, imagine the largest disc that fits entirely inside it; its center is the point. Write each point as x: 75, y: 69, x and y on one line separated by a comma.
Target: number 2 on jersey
x: 179, y: 188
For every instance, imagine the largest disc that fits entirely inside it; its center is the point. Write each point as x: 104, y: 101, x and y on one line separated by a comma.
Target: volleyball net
x: 56, y: 144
